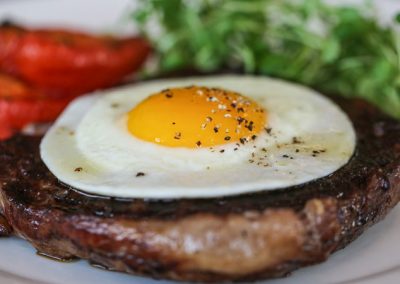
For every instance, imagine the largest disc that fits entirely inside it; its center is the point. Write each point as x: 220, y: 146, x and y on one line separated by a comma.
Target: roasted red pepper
x: 63, y: 62
x: 21, y: 105
x: 15, y: 114
x: 12, y: 88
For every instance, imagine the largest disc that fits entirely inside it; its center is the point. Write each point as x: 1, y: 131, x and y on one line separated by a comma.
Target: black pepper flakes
x: 198, y: 143
x: 79, y: 169
x: 168, y: 96
x: 250, y: 126
x: 216, y: 129
x: 178, y: 135
x: 222, y: 151
x: 227, y: 138
x: 296, y: 140
x: 140, y: 174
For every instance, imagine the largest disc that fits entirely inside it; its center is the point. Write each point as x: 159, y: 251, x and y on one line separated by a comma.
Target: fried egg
x: 198, y: 137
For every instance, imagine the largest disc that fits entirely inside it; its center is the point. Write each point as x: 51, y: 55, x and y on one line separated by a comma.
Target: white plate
x: 373, y: 258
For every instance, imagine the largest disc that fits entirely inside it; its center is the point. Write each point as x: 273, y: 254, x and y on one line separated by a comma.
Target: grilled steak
x: 247, y: 237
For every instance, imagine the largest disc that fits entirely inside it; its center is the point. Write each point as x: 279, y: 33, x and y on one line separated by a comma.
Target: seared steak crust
x: 238, y: 238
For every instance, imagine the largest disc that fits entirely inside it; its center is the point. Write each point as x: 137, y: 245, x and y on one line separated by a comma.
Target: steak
x: 237, y: 238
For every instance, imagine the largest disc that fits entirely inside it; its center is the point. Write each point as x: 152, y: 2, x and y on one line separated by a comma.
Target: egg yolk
x: 196, y: 117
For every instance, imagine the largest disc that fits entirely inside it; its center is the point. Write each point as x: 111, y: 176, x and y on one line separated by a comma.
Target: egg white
x: 90, y: 148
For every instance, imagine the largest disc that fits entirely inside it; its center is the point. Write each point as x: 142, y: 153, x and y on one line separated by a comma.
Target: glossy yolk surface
x: 196, y: 117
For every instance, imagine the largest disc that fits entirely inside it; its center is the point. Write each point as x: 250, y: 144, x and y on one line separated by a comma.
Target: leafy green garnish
x: 337, y: 49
